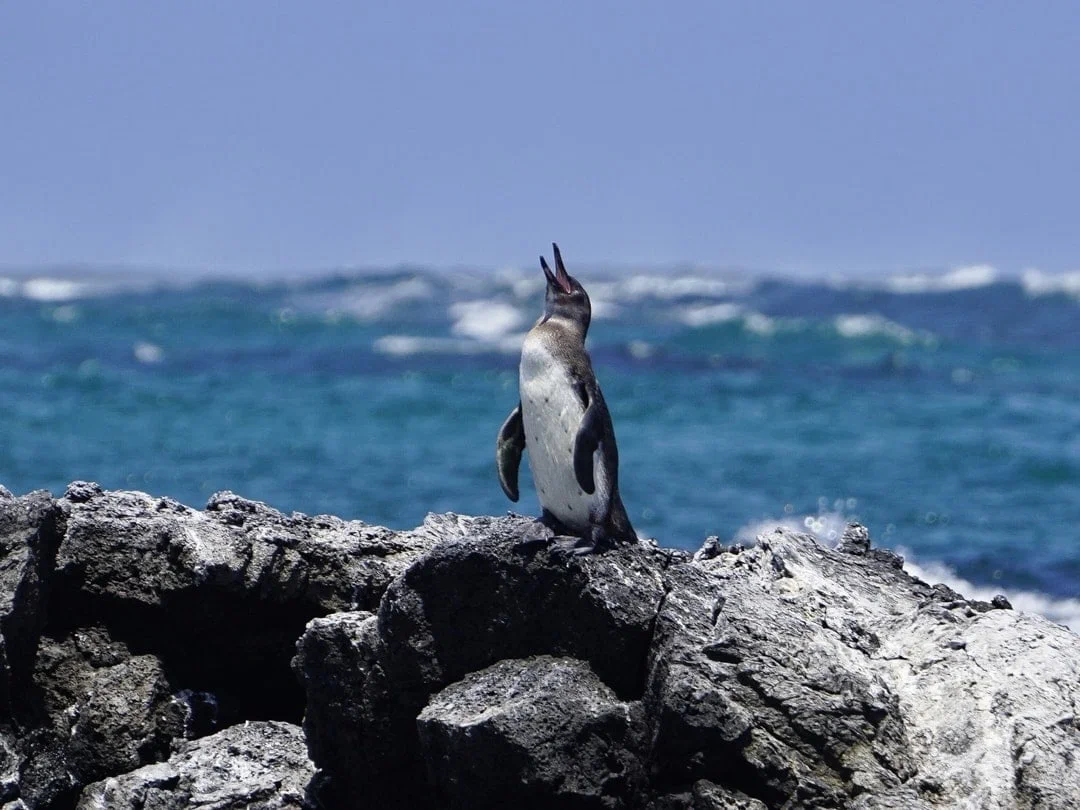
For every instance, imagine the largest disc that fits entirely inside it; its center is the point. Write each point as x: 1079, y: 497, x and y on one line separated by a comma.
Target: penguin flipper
x: 587, y: 440
x: 508, y: 451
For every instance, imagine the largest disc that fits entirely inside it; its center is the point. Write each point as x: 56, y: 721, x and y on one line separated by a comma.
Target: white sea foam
x: 1036, y: 283
x: 148, y: 353
x: 485, y: 320
x: 604, y: 310
x: 709, y: 314
x: 961, y: 278
x: 369, y: 302
x: 727, y: 312
x: 8, y: 287
x: 660, y: 287
x: 53, y: 289
x: 409, y: 345
x: 759, y: 324
x: 872, y: 325
x: 65, y: 313
x: 1063, y: 611
x: 528, y: 288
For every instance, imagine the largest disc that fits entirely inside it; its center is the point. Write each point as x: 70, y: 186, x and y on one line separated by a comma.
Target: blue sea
x: 941, y: 410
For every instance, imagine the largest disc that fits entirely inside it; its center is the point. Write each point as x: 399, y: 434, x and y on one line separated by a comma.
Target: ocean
x: 941, y: 410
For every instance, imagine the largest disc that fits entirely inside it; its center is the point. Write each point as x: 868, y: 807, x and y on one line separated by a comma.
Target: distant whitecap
x: 370, y: 301
x: 148, y: 353
x: 709, y: 314
x: 52, y: 289
x: 962, y: 278
x: 485, y: 319
x: 1036, y: 283
x: 66, y: 313
x: 872, y: 325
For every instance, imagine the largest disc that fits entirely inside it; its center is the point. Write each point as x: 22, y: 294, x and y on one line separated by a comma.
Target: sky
x: 824, y: 137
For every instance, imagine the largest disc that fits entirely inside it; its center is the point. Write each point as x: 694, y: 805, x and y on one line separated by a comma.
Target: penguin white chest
x: 552, y: 413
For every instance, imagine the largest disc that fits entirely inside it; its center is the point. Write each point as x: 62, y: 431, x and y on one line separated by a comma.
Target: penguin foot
x: 577, y: 546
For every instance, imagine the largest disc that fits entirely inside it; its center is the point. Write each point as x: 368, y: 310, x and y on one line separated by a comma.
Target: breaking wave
x: 1062, y: 611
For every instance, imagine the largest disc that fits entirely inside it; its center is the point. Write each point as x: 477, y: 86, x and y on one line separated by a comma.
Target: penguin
x: 562, y: 418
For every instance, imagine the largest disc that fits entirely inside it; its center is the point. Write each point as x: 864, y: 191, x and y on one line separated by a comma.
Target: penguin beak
x: 560, y: 278
x: 547, y: 273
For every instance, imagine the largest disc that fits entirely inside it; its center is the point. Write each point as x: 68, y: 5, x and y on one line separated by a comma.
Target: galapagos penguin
x: 562, y: 419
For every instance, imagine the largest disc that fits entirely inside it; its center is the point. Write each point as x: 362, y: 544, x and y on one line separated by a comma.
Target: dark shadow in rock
x: 235, y: 649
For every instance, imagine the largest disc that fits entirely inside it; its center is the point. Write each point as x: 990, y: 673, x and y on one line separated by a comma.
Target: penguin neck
x: 565, y: 326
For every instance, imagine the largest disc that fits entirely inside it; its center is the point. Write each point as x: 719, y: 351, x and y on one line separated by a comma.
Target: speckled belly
x: 552, y: 414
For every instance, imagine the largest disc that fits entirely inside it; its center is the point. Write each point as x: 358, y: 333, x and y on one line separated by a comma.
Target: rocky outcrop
x: 539, y: 732
x: 130, y: 624
x: 154, y: 655
x: 221, y: 594
x: 782, y: 675
x: 260, y: 765
x: 28, y: 540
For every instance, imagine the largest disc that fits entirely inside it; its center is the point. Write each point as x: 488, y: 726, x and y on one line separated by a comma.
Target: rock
x: 360, y: 737
x: 785, y: 674
x: 9, y: 766
x: 535, y: 733
x: 30, y: 529
x: 102, y: 711
x: 752, y: 693
x: 827, y: 678
x: 132, y: 548
x: 255, y: 766
x: 480, y: 596
x: 222, y: 594
x: 707, y: 796
x: 82, y: 491
x: 704, y: 795
x: 472, y: 601
x: 470, y: 663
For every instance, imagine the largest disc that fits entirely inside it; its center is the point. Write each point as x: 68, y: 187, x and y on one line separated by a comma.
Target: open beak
x: 560, y: 278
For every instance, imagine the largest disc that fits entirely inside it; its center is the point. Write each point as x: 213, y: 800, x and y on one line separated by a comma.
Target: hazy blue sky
x: 861, y: 136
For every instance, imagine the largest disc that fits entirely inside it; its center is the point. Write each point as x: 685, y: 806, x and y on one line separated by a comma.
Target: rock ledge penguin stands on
x: 562, y: 419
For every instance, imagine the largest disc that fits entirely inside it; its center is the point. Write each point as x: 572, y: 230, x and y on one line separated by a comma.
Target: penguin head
x: 565, y: 298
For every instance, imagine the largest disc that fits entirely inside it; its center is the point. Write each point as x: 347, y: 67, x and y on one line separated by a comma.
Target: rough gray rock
x: 535, y: 733
x: 108, y: 711
x: 480, y: 596
x: 781, y: 675
x: 486, y: 596
x: 251, y: 766
x: 130, y: 547
x: 222, y: 594
x: 129, y: 623
x: 29, y: 535
x: 704, y: 795
x: 811, y: 677
x: 361, y: 737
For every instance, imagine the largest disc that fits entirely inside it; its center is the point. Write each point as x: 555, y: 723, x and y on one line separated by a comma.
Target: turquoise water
x: 942, y: 412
